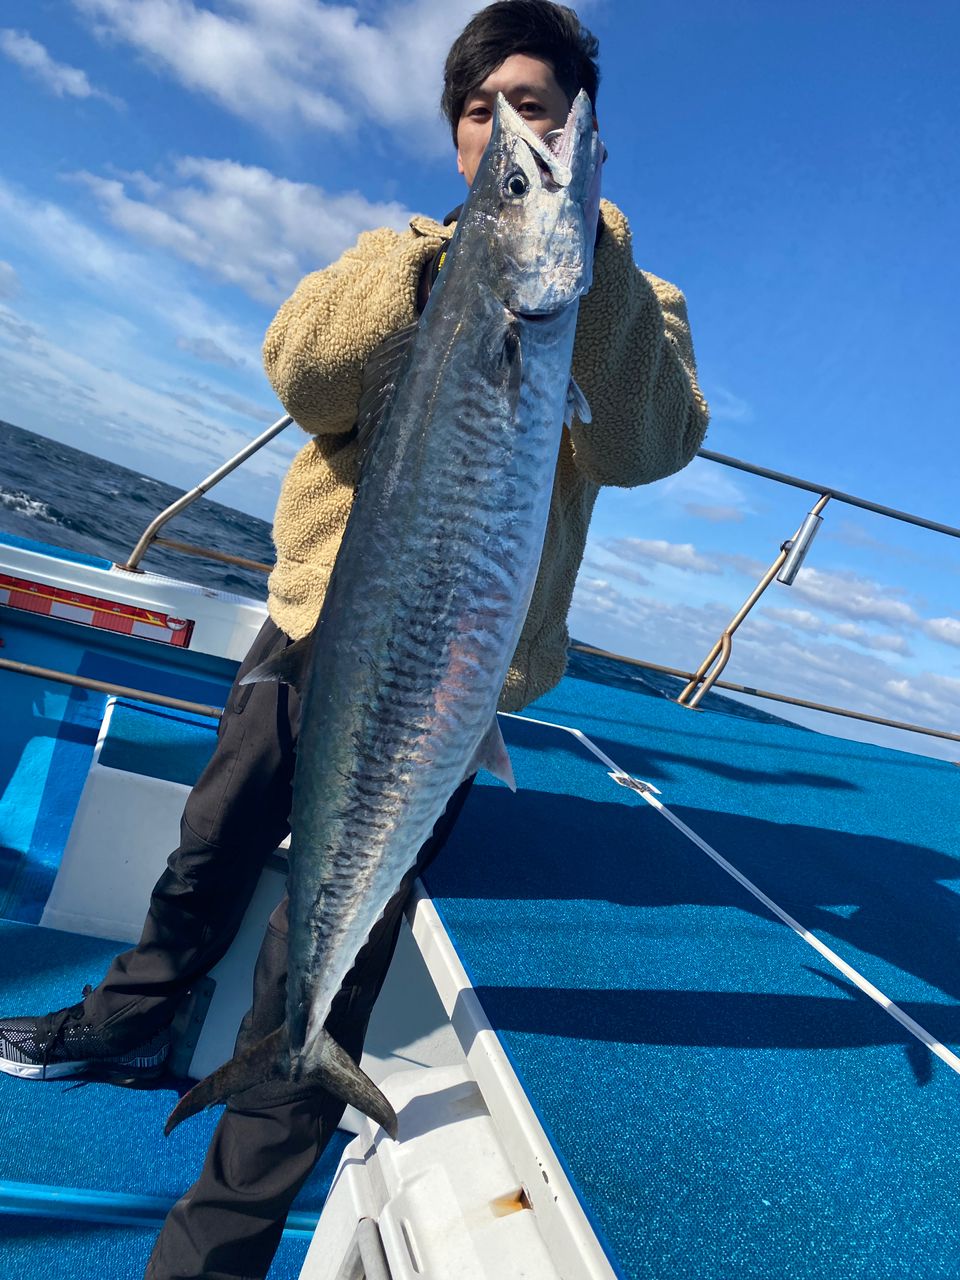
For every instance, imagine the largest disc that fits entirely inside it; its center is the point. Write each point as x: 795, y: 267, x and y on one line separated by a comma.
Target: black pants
x: 269, y: 1138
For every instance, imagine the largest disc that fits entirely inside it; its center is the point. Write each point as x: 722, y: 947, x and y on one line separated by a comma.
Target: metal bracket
x: 365, y: 1258
x: 634, y: 784
x: 187, y: 1025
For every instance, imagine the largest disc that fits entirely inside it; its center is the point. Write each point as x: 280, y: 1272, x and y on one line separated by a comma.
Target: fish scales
x: 467, y: 612
x: 433, y: 578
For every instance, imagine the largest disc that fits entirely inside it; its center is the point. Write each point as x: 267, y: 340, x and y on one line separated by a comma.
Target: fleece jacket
x: 633, y: 359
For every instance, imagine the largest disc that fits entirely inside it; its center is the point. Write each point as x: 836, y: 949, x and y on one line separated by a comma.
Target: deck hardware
x: 797, y: 548
x: 115, y: 1208
x: 633, y: 784
x: 188, y: 1023
x: 789, y: 560
x: 365, y: 1258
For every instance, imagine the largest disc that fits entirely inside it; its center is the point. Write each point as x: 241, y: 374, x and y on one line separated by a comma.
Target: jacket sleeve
x: 633, y: 360
x: 316, y: 347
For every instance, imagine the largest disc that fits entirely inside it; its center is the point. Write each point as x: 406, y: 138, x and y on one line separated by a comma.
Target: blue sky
x: 175, y: 166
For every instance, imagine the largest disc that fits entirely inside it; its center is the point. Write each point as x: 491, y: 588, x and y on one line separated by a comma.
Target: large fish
x: 400, y: 679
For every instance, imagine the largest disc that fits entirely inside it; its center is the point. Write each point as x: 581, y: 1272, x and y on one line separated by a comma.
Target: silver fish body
x: 433, y: 578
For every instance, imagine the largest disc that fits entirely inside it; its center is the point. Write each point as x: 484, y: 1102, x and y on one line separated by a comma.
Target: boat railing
x: 784, y: 569
x: 151, y: 534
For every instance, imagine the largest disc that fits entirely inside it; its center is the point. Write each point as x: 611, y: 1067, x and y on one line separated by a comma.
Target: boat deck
x: 726, y: 1100
x: 90, y: 1149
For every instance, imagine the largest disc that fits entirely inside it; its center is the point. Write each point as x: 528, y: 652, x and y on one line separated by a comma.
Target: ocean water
x: 53, y: 493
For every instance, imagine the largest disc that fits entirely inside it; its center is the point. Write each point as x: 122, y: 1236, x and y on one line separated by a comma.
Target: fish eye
x: 516, y: 185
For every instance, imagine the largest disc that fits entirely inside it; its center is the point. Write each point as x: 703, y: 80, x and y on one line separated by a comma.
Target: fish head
x: 538, y: 201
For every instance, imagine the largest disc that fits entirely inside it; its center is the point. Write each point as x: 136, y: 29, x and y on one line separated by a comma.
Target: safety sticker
x: 95, y: 611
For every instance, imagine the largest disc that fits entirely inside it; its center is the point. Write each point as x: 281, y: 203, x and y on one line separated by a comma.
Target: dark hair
x: 536, y: 27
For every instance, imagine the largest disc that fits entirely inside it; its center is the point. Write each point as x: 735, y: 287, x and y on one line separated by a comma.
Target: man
x: 634, y: 362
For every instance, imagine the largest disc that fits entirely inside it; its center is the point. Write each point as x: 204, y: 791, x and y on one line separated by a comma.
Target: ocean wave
x: 23, y: 504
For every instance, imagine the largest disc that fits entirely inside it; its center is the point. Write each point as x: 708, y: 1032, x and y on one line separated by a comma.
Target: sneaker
x: 61, y: 1044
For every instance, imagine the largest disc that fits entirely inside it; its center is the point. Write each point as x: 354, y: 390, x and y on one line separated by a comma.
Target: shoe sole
x: 31, y: 1070
x: 107, y: 1072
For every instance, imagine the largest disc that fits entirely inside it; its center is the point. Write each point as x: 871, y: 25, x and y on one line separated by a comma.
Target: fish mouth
x: 541, y: 317
x: 556, y: 153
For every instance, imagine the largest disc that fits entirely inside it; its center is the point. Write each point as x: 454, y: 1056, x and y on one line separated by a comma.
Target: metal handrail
x: 837, y: 494
x: 149, y: 534
x: 707, y: 673
x: 190, y: 549
x: 767, y: 693
x: 202, y: 709
x: 699, y: 682
x: 107, y: 686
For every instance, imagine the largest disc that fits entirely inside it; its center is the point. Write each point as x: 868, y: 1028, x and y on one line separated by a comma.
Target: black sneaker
x: 61, y: 1044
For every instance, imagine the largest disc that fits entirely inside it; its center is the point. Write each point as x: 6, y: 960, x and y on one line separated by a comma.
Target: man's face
x: 530, y: 87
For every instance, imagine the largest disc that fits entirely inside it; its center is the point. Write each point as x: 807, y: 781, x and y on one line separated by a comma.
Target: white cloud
x: 715, y: 514
x: 9, y: 281
x: 242, y: 223
x: 207, y: 350
x: 17, y: 331
x: 101, y: 367
x: 854, y: 597
x: 101, y: 265
x: 812, y: 623
x: 727, y: 407
x: 61, y: 80
x: 679, y: 555
x: 945, y: 629
x: 222, y: 396
x: 273, y: 62
x: 616, y: 567
x: 705, y: 483
x: 938, y: 697
x: 769, y: 655
x: 128, y: 414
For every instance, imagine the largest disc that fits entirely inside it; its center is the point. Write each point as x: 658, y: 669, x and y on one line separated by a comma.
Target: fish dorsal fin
x: 492, y: 756
x: 290, y: 665
x: 577, y: 406
x: 381, y: 374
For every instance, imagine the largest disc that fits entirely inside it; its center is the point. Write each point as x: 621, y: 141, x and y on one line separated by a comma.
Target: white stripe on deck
x: 650, y: 793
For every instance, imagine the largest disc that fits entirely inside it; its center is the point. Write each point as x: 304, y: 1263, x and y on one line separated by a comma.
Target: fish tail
x: 268, y: 1059
x: 334, y: 1070
x: 328, y: 1066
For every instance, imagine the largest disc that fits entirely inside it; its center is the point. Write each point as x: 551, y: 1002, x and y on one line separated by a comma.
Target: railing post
x: 786, y: 566
x: 153, y: 528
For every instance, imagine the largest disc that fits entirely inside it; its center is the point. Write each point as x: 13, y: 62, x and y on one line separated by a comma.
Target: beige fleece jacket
x: 633, y: 359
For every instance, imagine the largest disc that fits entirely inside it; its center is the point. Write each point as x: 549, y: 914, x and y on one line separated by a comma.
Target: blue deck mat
x: 51, y: 730
x: 96, y: 1136
x: 45, y: 1249
x: 726, y: 1103
x: 158, y: 742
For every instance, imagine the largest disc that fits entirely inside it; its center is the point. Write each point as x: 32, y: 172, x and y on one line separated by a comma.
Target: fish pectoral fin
x: 577, y: 406
x: 267, y: 1060
x: 334, y: 1070
x: 289, y: 665
x: 492, y: 755
x: 511, y: 358
x: 380, y: 378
